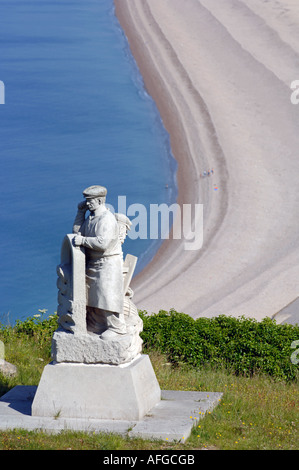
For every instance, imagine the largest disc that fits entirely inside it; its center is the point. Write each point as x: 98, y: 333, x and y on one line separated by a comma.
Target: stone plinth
x: 91, y: 349
x: 124, y: 392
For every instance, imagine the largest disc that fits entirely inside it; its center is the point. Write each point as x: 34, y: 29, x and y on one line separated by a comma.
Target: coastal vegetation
x: 242, y: 345
x: 249, y: 361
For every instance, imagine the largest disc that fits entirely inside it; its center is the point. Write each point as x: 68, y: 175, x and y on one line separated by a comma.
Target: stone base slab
x: 172, y: 419
x: 98, y: 391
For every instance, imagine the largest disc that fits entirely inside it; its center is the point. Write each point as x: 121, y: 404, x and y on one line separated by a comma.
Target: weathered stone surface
x: 91, y: 349
x: 125, y: 392
x: 71, y: 287
x: 6, y: 368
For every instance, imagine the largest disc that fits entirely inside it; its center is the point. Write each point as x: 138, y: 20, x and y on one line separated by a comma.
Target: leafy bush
x: 37, y: 328
x: 244, y: 345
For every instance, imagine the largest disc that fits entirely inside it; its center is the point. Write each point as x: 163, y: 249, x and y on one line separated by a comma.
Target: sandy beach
x: 220, y: 73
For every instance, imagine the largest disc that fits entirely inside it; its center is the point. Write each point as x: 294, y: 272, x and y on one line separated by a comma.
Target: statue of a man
x: 99, y: 235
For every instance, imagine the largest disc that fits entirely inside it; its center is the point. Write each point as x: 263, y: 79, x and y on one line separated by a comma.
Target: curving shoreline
x: 213, y: 102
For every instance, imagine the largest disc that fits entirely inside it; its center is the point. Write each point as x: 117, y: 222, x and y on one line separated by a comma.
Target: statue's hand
x: 82, y: 206
x: 78, y: 240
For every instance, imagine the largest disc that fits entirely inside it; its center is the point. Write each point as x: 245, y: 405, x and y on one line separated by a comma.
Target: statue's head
x: 95, y: 196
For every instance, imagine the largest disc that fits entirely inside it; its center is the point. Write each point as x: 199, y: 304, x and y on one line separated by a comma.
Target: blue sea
x: 76, y: 113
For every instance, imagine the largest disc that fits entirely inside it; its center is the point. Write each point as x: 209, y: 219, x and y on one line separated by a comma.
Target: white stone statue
x: 99, y: 235
x: 98, y: 371
x: 98, y: 321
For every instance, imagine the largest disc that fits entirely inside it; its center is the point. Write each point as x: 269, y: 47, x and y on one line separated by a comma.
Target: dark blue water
x: 75, y: 114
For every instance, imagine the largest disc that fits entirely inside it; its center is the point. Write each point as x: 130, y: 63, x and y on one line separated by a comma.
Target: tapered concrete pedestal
x: 123, y: 392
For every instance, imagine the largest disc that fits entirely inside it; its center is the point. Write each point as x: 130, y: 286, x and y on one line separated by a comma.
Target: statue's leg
x: 105, y: 323
x: 96, y: 320
x: 115, y: 325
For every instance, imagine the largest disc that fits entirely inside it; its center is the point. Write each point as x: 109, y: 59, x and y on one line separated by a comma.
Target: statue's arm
x: 105, y: 236
x: 95, y: 243
x: 80, y: 217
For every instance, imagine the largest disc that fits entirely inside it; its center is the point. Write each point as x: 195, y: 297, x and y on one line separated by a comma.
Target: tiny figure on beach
x: 207, y: 173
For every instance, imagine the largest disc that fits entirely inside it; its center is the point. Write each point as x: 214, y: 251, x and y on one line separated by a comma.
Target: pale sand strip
x: 220, y: 73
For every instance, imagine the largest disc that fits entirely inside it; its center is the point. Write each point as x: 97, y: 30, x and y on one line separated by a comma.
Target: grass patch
x: 255, y: 413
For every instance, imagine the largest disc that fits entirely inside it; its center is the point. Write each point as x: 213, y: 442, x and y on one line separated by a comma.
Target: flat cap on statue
x: 94, y: 191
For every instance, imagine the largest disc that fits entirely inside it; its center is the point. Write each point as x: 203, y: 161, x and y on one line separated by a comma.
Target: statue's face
x: 92, y: 204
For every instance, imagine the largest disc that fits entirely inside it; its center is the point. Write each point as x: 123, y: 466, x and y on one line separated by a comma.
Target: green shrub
x: 37, y: 329
x: 38, y: 326
x: 244, y: 345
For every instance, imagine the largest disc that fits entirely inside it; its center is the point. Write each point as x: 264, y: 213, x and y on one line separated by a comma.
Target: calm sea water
x: 75, y: 114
